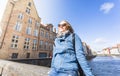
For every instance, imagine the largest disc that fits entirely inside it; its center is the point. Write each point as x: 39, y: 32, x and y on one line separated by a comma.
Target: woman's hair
x: 68, y: 26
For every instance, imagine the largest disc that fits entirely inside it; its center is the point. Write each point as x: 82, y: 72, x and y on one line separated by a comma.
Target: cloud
x: 0, y: 31
x: 2, y: 7
x: 106, y: 7
x: 100, y: 41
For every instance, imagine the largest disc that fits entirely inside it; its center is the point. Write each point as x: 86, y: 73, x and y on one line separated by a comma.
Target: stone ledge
x: 8, y: 68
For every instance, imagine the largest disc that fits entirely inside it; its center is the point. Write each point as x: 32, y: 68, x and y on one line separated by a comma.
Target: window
x: 14, y: 43
x: 34, y: 47
x: 46, y: 46
x: 51, y: 29
x: 30, y: 21
x: 43, y: 46
x: 47, y: 35
x: 18, y: 26
x: 35, y: 32
x: 41, y: 43
x: 50, y: 46
x: 27, y: 43
x: 29, y: 4
x: 42, y: 55
x: 20, y: 16
x: 28, y: 30
x: 14, y: 55
x: 27, y: 10
x: 42, y: 33
x: 37, y: 23
x: 51, y: 36
x: 28, y: 55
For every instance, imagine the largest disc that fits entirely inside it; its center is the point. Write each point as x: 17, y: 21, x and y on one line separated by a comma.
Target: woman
x: 65, y: 56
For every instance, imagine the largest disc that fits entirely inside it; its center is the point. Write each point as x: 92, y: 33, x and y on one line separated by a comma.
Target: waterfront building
x: 114, y: 50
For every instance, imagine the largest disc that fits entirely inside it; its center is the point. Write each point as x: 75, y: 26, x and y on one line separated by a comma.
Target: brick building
x: 21, y: 33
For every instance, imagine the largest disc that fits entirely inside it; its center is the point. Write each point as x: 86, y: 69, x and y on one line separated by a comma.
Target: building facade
x: 22, y: 34
x: 114, y: 50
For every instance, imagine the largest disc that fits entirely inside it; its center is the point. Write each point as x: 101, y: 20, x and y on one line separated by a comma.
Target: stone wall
x: 41, y: 61
x: 9, y: 68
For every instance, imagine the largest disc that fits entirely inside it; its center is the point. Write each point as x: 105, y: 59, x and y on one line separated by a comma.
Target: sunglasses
x: 61, y: 25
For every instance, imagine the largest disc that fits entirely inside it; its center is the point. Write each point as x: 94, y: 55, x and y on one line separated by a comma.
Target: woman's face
x: 62, y: 27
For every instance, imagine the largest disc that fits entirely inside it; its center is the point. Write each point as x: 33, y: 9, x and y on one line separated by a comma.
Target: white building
x: 115, y: 50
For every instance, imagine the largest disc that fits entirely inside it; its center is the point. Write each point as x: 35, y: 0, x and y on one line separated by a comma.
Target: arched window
x: 18, y: 26
x: 35, y: 32
x: 30, y: 21
x: 29, y: 4
x: 20, y: 16
x: 28, y: 30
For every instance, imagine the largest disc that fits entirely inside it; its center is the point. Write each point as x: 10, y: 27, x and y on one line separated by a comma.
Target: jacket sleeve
x: 81, y: 57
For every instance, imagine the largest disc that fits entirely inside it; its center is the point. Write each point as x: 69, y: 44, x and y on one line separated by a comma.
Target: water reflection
x: 106, y: 66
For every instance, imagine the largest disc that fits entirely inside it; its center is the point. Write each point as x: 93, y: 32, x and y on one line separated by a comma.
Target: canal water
x: 106, y: 66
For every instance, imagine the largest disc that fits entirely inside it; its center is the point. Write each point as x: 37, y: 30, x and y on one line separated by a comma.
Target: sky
x: 97, y: 22
x: 2, y: 9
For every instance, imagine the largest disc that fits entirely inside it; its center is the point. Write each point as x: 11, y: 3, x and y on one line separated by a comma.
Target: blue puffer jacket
x: 64, y: 56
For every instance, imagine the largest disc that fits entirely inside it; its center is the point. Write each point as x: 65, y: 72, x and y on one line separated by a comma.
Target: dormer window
x: 20, y: 16
x: 30, y: 21
x: 29, y: 4
x: 27, y: 10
